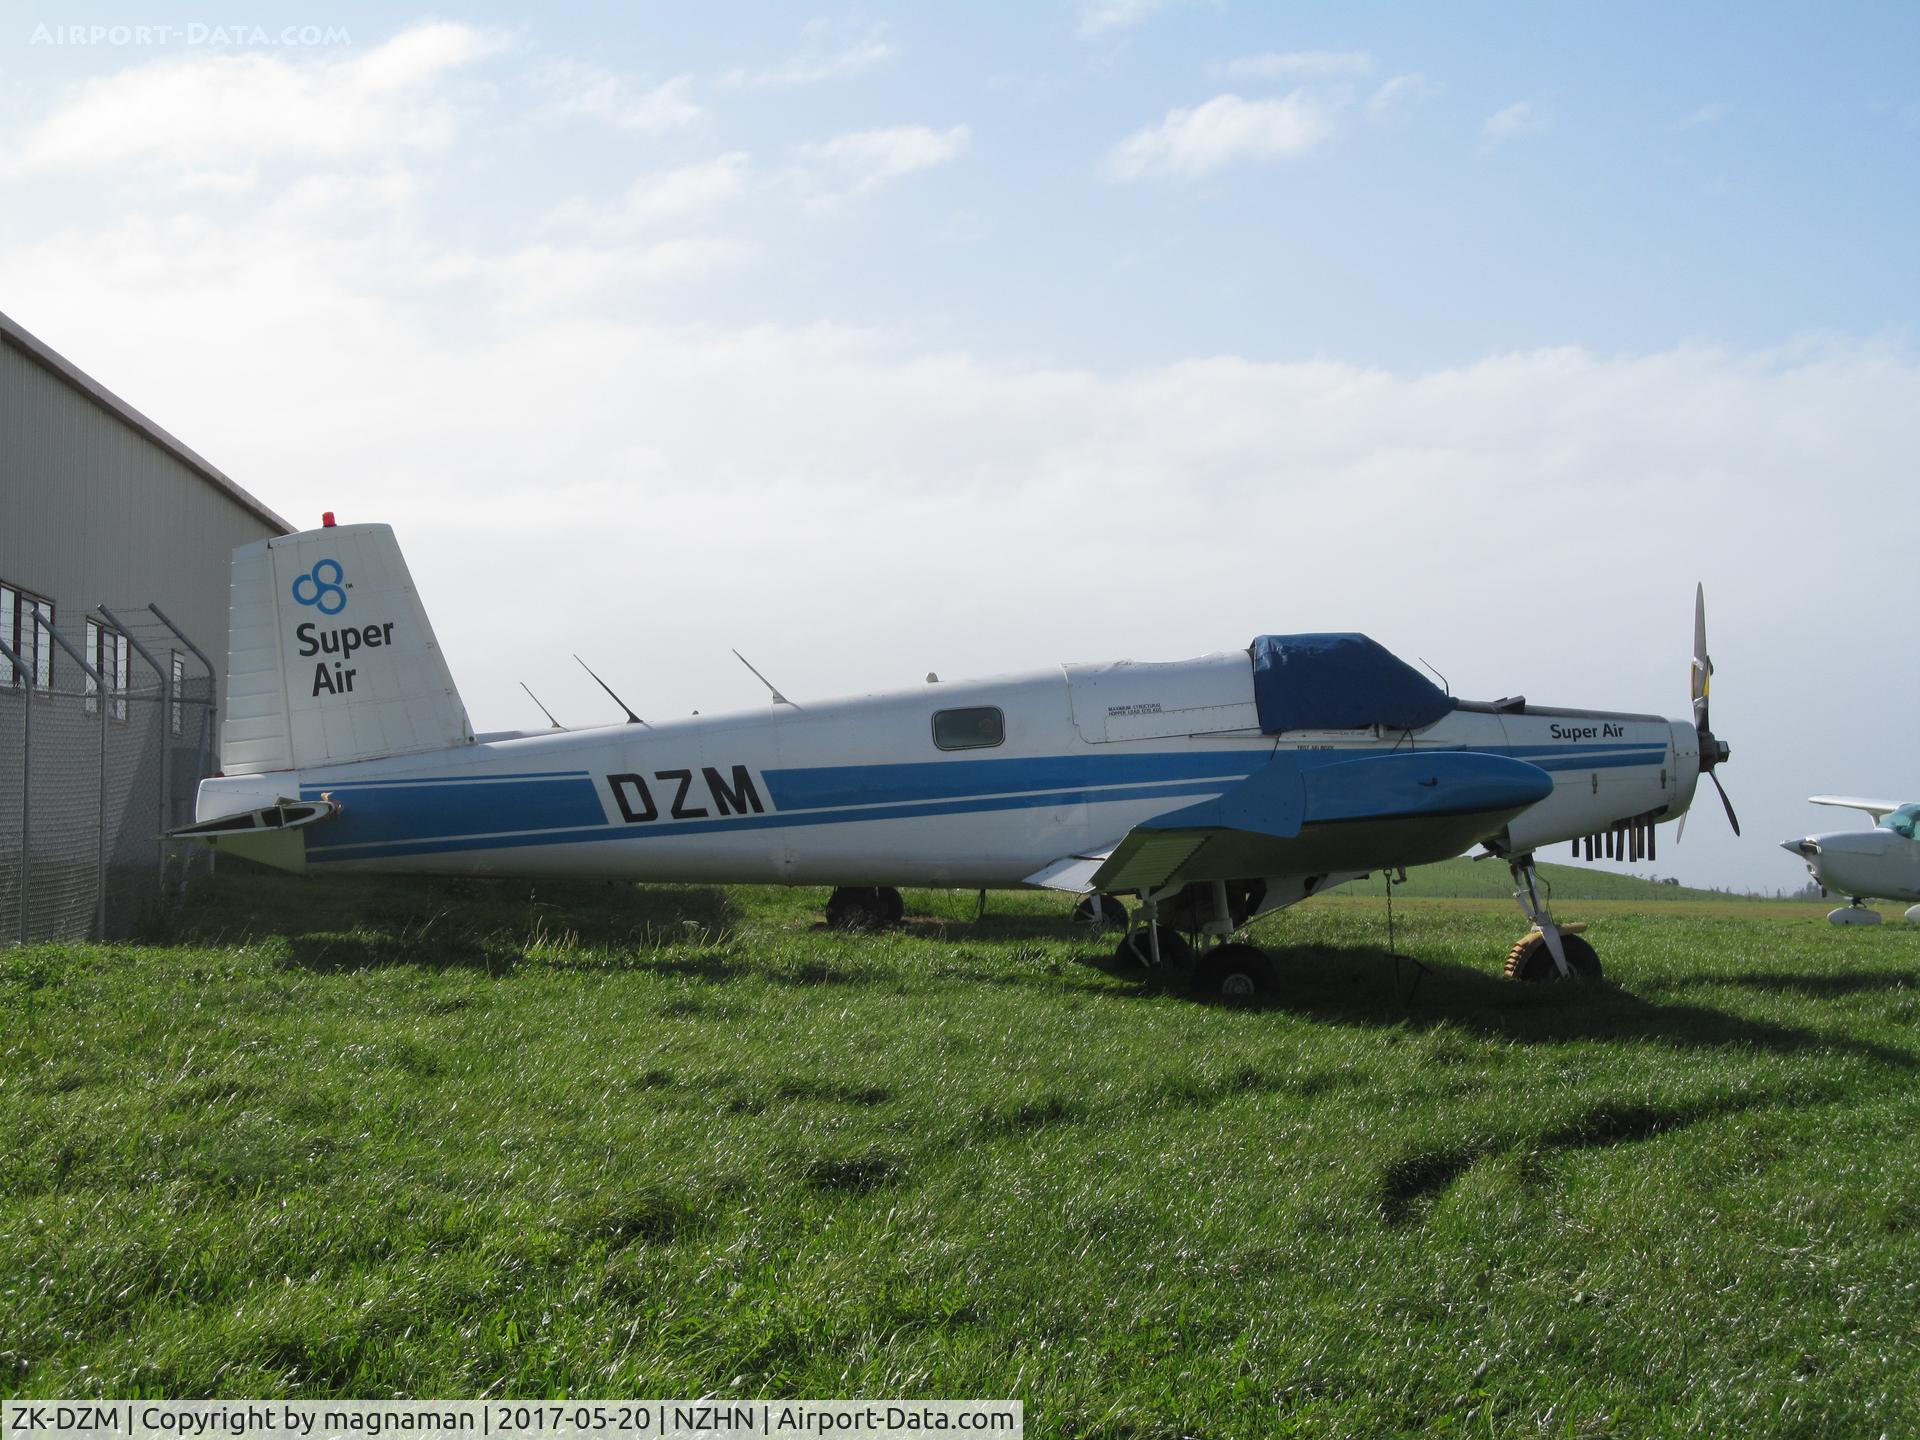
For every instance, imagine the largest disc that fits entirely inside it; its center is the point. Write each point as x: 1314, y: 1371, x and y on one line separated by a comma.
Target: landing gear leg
x: 1549, y: 951
x: 1233, y: 971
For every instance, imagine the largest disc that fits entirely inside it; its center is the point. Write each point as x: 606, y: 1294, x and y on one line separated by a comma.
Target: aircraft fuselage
x: 860, y: 791
x: 1877, y: 863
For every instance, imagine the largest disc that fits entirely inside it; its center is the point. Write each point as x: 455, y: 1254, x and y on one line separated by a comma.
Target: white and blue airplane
x: 1878, y: 863
x: 1213, y: 790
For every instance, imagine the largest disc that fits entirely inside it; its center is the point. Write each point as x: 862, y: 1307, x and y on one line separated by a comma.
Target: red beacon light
x: 326, y: 520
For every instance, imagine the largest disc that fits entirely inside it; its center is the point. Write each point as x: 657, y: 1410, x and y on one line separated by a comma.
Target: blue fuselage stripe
x: 1597, y: 762
x: 760, y: 822
x: 431, y: 814
x: 827, y: 786
x: 384, y: 814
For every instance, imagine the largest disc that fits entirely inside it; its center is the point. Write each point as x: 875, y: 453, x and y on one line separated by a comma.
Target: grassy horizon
x: 1465, y: 878
x: 446, y: 1138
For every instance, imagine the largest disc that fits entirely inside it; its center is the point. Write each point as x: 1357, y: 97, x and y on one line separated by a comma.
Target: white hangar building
x: 115, y: 541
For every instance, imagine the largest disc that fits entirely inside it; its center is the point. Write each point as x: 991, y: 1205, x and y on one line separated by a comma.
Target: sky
x: 875, y: 341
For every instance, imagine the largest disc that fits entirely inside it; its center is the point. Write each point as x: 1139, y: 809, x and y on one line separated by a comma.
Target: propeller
x: 1713, y: 751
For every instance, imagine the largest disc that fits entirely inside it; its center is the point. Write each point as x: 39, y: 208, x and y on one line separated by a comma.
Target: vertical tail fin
x: 330, y: 656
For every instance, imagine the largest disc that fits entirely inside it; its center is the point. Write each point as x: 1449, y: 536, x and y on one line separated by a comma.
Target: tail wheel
x: 1531, y: 961
x: 1238, y: 974
x: 1136, y: 948
x: 1100, y: 912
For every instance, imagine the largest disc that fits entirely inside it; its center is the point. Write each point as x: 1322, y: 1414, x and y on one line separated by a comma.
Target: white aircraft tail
x: 330, y: 657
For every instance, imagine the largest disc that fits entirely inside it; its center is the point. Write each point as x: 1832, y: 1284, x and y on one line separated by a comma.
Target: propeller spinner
x: 1713, y: 751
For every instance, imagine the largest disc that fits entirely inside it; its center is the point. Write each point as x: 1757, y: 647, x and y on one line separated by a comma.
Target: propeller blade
x: 1700, y: 677
x: 1680, y: 830
x: 1732, y: 819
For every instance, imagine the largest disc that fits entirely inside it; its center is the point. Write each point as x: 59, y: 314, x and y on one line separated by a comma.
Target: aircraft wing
x: 1305, y: 813
x: 1875, y: 808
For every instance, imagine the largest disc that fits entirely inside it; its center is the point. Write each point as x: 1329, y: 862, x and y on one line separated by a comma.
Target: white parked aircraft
x: 1213, y: 789
x: 1882, y: 862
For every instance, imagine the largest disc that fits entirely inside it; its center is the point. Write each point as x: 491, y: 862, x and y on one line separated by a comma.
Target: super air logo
x: 1603, y: 731
x: 325, y: 587
x: 728, y: 795
x: 322, y: 591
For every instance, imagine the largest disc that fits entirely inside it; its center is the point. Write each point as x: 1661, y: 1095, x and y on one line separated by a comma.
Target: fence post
x: 26, y: 787
x: 202, y: 759
x: 100, y: 824
x: 166, y: 780
x: 205, y: 750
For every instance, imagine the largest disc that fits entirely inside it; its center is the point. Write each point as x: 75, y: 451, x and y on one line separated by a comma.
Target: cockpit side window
x: 978, y: 727
x: 1902, y: 821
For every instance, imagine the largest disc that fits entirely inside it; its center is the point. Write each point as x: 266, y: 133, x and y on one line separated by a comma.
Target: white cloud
x: 336, y: 196
x: 1712, y: 113
x: 1193, y: 142
x: 1103, y: 17
x: 1301, y: 65
x: 1400, y: 93
x: 546, y: 279
x: 220, y: 113
x: 820, y: 59
x: 217, y: 181
x: 614, y: 100
x: 1029, y: 87
x: 682, y: 193
x: 855, y: 163
x: 1523, y: 117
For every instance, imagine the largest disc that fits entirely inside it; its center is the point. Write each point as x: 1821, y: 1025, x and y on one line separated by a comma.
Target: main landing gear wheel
x: 1531, y: 961
x: 892, y: 905
x: 1235, y: 972
x: 1531, y: 958
x: 1100, y: 912
x: 852, y: 907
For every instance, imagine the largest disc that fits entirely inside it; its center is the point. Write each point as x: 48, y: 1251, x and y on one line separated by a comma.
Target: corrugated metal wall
x: 93, y: 511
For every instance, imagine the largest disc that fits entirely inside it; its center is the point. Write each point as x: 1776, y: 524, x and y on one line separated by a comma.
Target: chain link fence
x: 101, y: 752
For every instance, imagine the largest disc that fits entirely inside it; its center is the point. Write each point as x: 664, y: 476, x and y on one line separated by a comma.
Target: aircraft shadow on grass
x: 486, y: 926
x: 624, y: 927
x: 1363, y: 985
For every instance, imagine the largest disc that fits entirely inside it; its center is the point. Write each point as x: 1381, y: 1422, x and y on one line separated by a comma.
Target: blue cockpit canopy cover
x: 1339, y: 682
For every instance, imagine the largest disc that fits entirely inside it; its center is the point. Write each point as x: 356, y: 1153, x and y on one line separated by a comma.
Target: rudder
x: 331, y: 658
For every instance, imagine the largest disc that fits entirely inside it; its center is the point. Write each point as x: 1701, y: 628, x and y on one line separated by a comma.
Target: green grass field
x: 1469, y: 879
x: 455, y: 1138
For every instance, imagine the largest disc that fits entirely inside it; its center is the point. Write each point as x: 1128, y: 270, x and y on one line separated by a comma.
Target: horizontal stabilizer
x: 286, y: 815
x: 1073, y: 873
x: 273, y: 835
